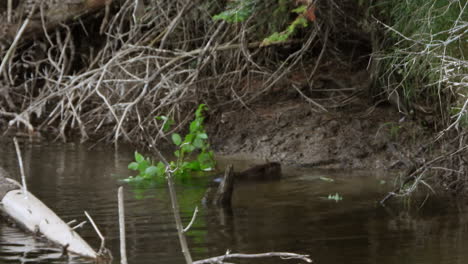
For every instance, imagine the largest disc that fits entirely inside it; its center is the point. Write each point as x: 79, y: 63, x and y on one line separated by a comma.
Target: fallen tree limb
x: 30, y: 213
x: 282, y: 255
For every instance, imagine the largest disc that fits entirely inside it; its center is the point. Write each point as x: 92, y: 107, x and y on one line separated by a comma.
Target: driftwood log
x: 24, y: 209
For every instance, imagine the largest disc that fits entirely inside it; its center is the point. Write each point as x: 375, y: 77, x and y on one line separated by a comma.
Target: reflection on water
x: 292, y: 214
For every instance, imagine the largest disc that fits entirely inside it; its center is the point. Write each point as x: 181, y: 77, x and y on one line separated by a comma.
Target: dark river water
x: 292, y: 214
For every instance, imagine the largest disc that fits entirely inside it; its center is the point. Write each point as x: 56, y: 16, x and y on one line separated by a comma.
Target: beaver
x: 221, y: 194
x: 262, y: 172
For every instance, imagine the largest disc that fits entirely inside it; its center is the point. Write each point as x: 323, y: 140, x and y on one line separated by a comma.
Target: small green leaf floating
x: 336, y: 197
x: 326, y: 179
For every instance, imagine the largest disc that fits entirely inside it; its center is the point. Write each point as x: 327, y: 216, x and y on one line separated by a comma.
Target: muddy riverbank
x: 289, y: 130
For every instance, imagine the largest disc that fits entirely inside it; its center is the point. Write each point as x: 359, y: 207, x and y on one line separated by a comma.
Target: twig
x: 282, y: 255
x: 310, y: 100
x: 79, y: 225
x: 412, y: 175
x: 9, y: 10
x: 178, y: 220
x: 191, y: 221
x: 174, y: 22
x: 103, y: 239
x: 20, y: 161
x: 123, y: 249
x: 16, y: 40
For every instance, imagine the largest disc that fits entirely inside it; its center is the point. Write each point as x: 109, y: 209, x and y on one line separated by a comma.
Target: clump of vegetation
x: 424, y: 56
x: 195, y: 140
x: 423, y: 64
x: 239, y: 11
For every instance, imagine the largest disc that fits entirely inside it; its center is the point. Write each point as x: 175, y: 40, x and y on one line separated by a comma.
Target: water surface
x: 292, y: 214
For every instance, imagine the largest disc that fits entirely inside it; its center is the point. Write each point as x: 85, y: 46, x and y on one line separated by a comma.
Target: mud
x: 286, y: 128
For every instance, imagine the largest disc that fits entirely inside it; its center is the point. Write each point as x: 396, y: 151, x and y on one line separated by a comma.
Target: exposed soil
x: 285, y: 127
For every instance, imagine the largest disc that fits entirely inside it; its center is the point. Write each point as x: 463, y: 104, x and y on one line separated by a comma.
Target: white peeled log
x: 35, y: 216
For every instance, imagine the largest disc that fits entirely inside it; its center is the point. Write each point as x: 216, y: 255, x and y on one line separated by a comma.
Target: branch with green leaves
x: 195, y: 141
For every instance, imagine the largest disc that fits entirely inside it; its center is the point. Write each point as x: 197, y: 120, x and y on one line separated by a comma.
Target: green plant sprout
x: 195, y: 140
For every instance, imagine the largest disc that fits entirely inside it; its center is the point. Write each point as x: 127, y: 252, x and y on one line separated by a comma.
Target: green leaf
x: 202, y: 135
x: 138, y: 157
x: 188, y: 148
x: 194, y: 165
x: 300, y: 9
x: 176, y: 139
x: 133, y: 166
x: 189, y: 138
x: 194, y: 126
x: 161, y: 169
x: 142, y: 166
x: 198, y: 143
x: 198, y: 112
x: 151, y: 171
x: 177, y: 153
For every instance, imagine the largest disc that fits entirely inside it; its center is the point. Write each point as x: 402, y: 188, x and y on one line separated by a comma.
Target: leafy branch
x: 195, y: 140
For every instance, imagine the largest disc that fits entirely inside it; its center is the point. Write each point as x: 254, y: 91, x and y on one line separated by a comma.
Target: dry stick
x: 79, y: 225
x: 16, y: 40
x: 103, y: 239
x: 308, y: 99
x: 283, y: 255
x: 9, y: 10
x: 174, y: 22
x: 20, y: 161
x: 178, y: 220
x: 123, y: 250
x: 186, y: 229
x: 175, y: 209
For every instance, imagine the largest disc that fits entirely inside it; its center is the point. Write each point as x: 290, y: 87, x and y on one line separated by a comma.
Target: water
x: 288, y: 215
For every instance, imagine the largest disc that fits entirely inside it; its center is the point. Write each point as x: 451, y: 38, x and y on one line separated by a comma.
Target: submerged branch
x: 282, y: 255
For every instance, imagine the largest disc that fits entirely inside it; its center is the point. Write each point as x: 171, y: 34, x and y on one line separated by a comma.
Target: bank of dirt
x: 284, y: 126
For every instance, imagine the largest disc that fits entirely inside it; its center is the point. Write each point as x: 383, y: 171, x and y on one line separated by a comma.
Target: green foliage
x: 236, y: 11
x: 299, y: 22
x: 167, y: 122
x: 273, y: 16
x: 195, y: 140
